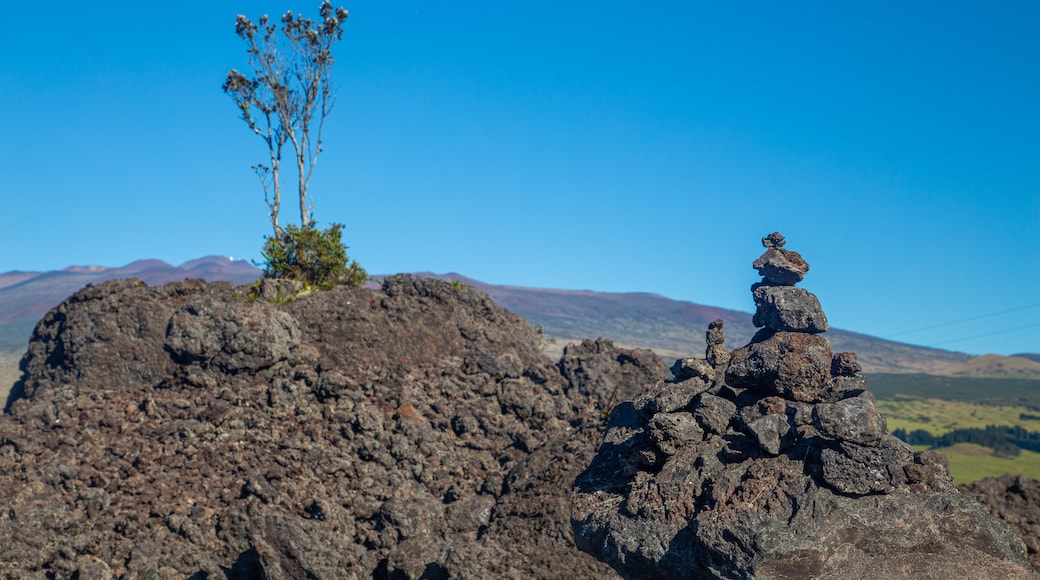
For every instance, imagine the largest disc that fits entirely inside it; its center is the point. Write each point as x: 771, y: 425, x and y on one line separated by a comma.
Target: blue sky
x: 588, y: 145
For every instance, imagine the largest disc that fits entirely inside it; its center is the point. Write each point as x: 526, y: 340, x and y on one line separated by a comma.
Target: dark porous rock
x: 855, y: 419
x: 774, y: 240
x: 666, y: 397
x: 1016, y: 500
x: 671, y: 431
x: 861, y: 469
x: 789, y: 473
x: 781, y: 267
x: 726, y: 508
x: 845, y: 364
x: 715, y: 334
x: 609, y: 373
x: 771, y: 432
x: 713, y: 413
x: 843, y: 387
x: 788, y: 308
x: 716, y: 353
x: 415, y: 431
x: 231, y: 337
x: 791, y: 364
x: 693, y: 368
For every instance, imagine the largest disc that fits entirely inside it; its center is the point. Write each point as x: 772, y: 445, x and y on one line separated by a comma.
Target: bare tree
x: 289, y: 96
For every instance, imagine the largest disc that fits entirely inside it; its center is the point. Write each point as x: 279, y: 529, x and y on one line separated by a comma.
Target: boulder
x: 691, y: 368
x: 781, y: 267
x: 788, y: 308
x: 791, y: 364
x: 194, y: 431
x: 1016, y: 500
x: 845, y: 364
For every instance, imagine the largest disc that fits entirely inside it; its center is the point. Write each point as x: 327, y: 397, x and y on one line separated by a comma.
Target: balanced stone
x: 774, y: 240
x: 787, y: 308
x: 760, y: 472
x: 714, y: 334
x: 781, y: 267
x: 845, y: 364
x: 794, y: 365
x: 716, y: 354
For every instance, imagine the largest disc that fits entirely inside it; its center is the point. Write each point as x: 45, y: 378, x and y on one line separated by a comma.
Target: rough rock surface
x: 717, y: 354
x: 410, y: 432
x: 782, y: 267
x: 1016, y: 500
x: 788, y: 308
x: 778, y: 467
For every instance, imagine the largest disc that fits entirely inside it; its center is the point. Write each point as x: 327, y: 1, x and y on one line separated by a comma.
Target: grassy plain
x: 970, y: 462
x: 939, y: 416
x: 989, y: 391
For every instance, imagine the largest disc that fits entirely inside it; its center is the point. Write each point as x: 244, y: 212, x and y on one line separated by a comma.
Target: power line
x: 945, y: 324
x: 988, y: 334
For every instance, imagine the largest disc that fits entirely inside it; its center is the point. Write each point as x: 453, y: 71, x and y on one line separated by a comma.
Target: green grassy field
x: 1024, y: 392
x: 970, y: 462
x: 938, y: 416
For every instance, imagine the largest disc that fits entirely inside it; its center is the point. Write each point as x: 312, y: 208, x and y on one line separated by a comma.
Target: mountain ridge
x: 672, y: 328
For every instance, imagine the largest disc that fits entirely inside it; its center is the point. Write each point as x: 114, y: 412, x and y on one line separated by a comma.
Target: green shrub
x: 315, y: 257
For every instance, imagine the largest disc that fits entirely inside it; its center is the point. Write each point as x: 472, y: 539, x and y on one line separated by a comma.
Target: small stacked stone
x: 716, y: 354
x: 779, y: 305
x: 738, y: 444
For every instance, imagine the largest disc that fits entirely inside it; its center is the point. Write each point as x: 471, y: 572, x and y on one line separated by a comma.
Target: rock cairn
x: 777, y: 463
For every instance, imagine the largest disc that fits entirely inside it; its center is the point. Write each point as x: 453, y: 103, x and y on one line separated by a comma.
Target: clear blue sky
x: 590, y: 145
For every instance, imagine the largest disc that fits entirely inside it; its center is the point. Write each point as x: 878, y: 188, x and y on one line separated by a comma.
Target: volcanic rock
x: 781, y: 267
x: 791, y: 364
x: 1016, y: 500
x: 774, y: 240
x: 716, y: 354
x: 196, y: 430
x: 791, y: 474
x: 845, y: 364
x: 689, y: 368
x: 787, y: 308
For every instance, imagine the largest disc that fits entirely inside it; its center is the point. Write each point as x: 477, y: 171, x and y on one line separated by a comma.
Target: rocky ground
x: 772, y: 461
x: 417, y: 431
x: 412, y: 431
x: 1016, y: 500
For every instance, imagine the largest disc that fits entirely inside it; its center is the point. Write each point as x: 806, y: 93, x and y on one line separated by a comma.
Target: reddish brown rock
x: 845, y: 364
x: 793, y: 365
x: 774, y: 240
x: 412, y: 431
x: 781, y: 267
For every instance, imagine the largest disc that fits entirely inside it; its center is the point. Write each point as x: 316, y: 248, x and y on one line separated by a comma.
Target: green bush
x: 315, y: 257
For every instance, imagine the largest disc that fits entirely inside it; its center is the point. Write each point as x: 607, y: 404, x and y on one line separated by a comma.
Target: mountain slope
x: 26, y: 296
x: 672, y: 328
x: 675, y: 328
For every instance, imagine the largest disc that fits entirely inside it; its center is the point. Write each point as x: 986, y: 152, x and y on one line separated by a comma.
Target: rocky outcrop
x: 777, y: 464
x: 414, y: 431
x: 1016, y: 500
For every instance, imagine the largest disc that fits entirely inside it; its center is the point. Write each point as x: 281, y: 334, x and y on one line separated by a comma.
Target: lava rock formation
x: 414, y: 431
x: 777, y: 464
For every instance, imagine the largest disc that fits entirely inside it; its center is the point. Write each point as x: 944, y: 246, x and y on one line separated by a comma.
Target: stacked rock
x: 777, y: 465
x: 716, y: 354
x: 779, y: 305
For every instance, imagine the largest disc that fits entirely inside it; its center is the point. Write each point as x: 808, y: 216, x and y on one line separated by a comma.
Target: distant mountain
x: 673, y: 328
x: 676, y: 329
x: 26, y: 296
